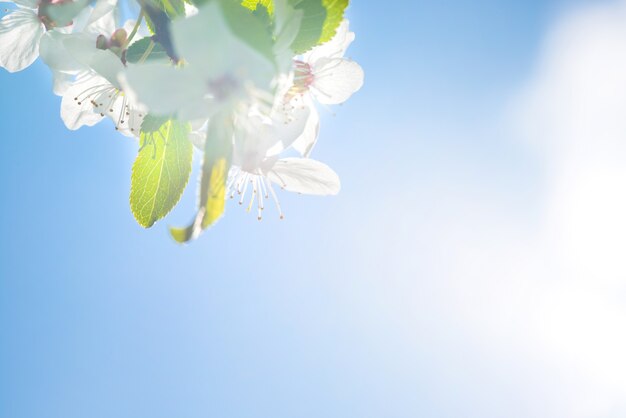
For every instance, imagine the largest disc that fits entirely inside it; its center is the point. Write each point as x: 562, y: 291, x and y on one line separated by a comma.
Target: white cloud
x: 543, y: 301
x: 573, y: 112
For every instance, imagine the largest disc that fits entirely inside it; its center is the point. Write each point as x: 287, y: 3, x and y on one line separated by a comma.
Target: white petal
x: 285, y: 128
x: 102, y: 20
x: 162, y: 88
x: 75, y: 115
x: 336, y: 80
x: 335, y: 48
x: 258, y: 137
x: 226, y: 55
x: 61, y: 82
x: 108, y: 65
x: 190, y: 10
x: 198, y: 139
x: 83, y: 49
x: 305, y: 143
x: 63, y: 13
x: 197, y: 136
x: 302, y: 175
x: 79, y: 22
x: 33, y: 4
x: 20, y: 32
x: 53, y: 52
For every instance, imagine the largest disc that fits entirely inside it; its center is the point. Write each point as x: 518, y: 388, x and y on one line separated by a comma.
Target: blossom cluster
x: 240, y: 82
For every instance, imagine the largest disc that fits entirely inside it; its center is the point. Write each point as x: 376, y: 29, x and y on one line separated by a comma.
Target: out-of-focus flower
x: 215, y: 75
x: 222, y: 73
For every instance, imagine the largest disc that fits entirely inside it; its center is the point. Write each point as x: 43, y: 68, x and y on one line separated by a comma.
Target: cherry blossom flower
x: 257, y: 165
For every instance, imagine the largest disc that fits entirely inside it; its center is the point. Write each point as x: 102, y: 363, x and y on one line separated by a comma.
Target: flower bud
x: 119, y: 38
x: 102, y: 42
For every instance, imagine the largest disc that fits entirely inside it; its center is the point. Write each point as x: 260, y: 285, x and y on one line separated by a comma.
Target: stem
x: 135, y: 28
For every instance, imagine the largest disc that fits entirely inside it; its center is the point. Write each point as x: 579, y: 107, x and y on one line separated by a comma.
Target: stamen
x: 110, y: 104
x: 253, y: 194
x: 259, y: 199
x: 280, y: 212
x: 91, y: 92
x: 245, y: 187
x: 240, y: 180
x: 263, y: 190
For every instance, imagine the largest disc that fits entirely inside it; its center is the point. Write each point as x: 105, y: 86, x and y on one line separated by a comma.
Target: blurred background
x: 472, y: 266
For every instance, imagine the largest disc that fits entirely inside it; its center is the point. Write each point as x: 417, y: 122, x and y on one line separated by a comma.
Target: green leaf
x: 320, y: 21
x: 334, y: 15
x: 253, y: 4
x: 265, y: 17
x: 248, y: 28
x: 215, y: 167
x: 152, y: 123
x: 146, y: 50
x: 158, y: 15
x: 314, y: 15
x: 173, y: 8
x: 253, y: 29
x: 161, y: 170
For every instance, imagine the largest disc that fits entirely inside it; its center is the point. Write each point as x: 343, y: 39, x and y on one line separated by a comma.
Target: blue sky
x: 470, y: 267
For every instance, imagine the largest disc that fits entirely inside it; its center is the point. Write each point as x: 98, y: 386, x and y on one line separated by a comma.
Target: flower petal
x: 54, y: 53
x: 336, y: 80
x: 302, y: 175
x: 226, y: 55
x: 61, y: 82
x: 20, y: 32
x: 285, y: 128
x: 102, y: 20
x: 33, y: 4
x: 76, y: 109
x: 83, y: 49
x: 258, y: 137
x: 197, y: 136
x: 305, y: 142
x: 164, y: 90
x: 190, y: 10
